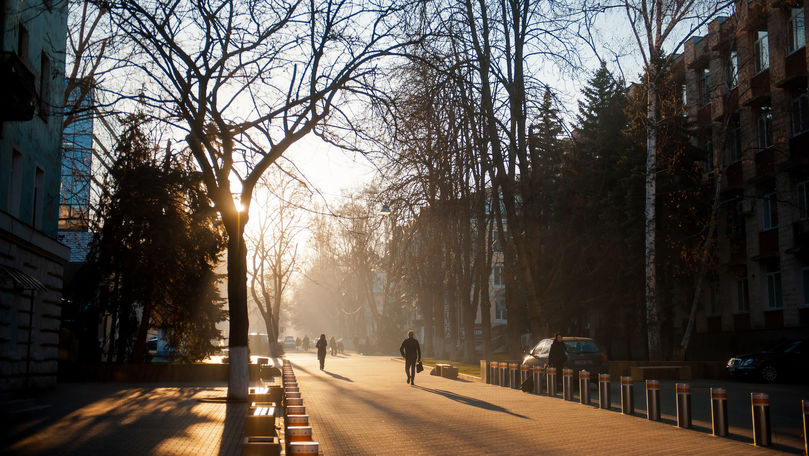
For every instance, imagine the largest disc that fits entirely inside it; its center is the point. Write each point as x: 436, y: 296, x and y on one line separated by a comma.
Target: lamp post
x: 386, y: 212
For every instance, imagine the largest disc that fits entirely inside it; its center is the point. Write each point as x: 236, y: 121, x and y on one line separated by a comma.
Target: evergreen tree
x: 154, y: 255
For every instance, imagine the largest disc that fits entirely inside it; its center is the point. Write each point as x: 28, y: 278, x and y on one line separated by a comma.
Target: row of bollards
x: 297, y: 431
x: 505, y: 374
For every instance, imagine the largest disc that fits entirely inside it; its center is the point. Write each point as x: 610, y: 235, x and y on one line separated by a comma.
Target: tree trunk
x: 139, y: 352
x: 679, y: 353
x: 238, y: 378
x: 652, y: 312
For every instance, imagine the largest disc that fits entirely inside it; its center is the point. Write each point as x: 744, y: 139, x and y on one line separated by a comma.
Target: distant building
x: 745, y: 92
x: 77, y: 168
x: 32, y: 55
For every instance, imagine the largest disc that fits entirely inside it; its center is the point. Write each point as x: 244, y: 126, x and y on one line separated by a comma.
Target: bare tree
x: 273, y: 242
x: 243, y: 81
x: 660, y: 29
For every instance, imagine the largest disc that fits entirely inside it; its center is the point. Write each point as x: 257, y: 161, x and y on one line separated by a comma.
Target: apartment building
x: 745, y: 92
x: 32, y: 55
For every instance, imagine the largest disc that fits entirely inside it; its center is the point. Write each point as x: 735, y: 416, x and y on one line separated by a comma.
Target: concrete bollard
x: 604, y: 399
x: 537, y: 372
x: 719, y: 411
x: 525, y: 371
x: 584, y: 387
x: 627, y: 396
x: 513, y: 376
x: 302, y: 448
x: 567, y: 384
x: 805, y: 408
x: 484, y: 372
x: 762, y: 429
x: 299, y: 433
x: 683, y: 405
x: 551, y: 381
x: 503, y: 368
x: 653, y: 400
x: 297, y: 420
x: 493, y: 373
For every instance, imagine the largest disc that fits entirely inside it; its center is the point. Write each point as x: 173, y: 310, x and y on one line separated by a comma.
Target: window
x: 497, y: 246
x: 742, y: 296
x: 22, y: 42
x: 705, y: 86
x: 39, y: 193
x: 770, y: 211
x: 765, y: 127
x: 716, y: 304
x: 762, y: 50
x: 805, y: 285
x: 796, y: 30
x: 708, y: 156
x: 800, y: 112
x: 497, y: 275
x: 500, y: 307
x: 684, y: 93
x: 15, y: 184
x: 803, y: 200
x: 735, y: 140
x: 44, y: 86
x: 774, y: 298
x: 733, y: 69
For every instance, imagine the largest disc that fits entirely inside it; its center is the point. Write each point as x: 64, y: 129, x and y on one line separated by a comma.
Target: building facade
x: 745, y: 94
x: 77, y: 168
x: 32, y: 56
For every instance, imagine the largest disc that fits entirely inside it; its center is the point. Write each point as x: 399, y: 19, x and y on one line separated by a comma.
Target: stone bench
x: 260, y: 421
x: 661, y: 373
x: 447, y: 371
x: 261, y: 446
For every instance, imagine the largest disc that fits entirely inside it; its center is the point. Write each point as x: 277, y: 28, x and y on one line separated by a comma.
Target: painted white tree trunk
x: 652, y: 313
x: 238, y: 374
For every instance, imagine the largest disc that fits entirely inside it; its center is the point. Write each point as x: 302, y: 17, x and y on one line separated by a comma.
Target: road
x: 361, y: 405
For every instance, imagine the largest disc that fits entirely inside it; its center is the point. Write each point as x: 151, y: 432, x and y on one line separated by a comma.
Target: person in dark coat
x: 321, y: 350
x: 411, y: 352
x: 557, y: 356
x: 305, y: 343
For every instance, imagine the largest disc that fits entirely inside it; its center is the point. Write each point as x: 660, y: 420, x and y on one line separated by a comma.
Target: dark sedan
x: 582, y: 353
x: 786, y: 360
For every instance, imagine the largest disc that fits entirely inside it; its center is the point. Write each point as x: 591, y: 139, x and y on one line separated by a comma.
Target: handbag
x: 419, y: 367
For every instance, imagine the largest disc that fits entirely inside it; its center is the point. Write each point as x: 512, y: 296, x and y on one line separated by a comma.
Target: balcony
x: 767, y: 246
x: 774, y: 319
x: 18, y: 85
x: 759, y: 89
x: 765, y: 167
x: 800, y: 240
x: 734, y: 179
x: 737, y: 252
x: 794, y: 70
x: 741, y: 322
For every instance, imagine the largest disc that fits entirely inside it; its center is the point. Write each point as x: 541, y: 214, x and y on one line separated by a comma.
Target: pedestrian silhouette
x: 557, y: 356
x: 321, y: 350
x: 411, y: 352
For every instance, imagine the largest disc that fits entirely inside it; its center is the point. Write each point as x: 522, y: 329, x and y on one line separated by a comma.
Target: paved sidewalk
x: 122, y: 419
x: 361, y: 405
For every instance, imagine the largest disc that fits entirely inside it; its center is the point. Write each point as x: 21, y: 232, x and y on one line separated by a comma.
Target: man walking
x: 411, y: 352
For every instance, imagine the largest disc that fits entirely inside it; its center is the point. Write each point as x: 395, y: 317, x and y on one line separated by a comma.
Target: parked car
x: 582, y: 353
x: 289, y: 343
x: 782, y: 361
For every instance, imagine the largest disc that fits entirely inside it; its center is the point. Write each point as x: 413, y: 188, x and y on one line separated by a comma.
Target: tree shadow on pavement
x: 469, y: 401
x: 337, y: 376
